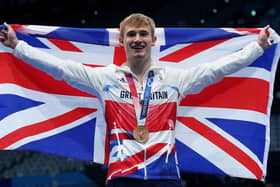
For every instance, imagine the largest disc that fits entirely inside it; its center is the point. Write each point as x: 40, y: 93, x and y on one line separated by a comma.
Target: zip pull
x: 177, y: 164
x: 145, y: 168
x: 171, y: 139
x: 119, y: 142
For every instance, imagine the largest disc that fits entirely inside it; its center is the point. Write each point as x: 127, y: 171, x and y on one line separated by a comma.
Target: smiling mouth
x: 137, y: 46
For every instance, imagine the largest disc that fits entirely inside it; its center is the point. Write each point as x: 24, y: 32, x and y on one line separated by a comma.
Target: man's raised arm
x: 75, y: 74
x: 212, y: 72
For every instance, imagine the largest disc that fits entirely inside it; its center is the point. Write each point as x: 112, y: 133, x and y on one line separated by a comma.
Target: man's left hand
x: 263, y: 37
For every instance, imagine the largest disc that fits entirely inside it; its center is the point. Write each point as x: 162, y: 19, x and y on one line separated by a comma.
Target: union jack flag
x: 222, y: 130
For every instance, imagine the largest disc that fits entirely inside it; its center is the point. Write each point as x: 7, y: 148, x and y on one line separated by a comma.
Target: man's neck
x: 139, y: 68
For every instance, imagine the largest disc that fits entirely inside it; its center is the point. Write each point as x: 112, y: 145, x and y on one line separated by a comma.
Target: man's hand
x: 263, y: 38
x: 8, y: 36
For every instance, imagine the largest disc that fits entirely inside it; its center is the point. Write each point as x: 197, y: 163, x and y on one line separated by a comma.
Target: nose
x: 137, y: 37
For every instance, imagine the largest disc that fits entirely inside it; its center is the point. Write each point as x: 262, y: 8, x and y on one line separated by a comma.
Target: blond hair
x: 137, y: 20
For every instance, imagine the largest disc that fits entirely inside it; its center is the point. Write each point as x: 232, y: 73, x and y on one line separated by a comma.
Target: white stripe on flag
x: 223, y: 113
x: 211, y: 152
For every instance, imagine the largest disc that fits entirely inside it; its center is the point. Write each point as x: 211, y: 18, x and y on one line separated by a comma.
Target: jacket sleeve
x: 77, y: 75
x: 195, y: 79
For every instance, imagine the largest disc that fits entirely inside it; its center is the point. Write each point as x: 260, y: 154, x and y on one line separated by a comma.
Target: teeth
x: 138, y: 47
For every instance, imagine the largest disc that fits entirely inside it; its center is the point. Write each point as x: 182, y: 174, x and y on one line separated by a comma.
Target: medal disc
x: 141, y: 134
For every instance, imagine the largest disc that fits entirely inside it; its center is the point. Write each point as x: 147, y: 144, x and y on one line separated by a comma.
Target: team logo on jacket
x: 124, y: 94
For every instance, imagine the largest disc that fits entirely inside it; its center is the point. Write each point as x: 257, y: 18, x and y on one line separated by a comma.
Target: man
x: 139, y: 100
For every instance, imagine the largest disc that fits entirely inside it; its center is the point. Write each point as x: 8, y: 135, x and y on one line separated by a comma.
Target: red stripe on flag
x: 64, y: 45
x: 15, y: 71
x: 233, y: 92
x: 252, y: 30
x: 17, y: 26
x: 44, y: 126
x: 223, y: 143
x: 119, y: 56
x: 190, y: 51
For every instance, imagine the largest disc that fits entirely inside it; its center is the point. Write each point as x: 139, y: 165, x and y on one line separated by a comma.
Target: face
x: 137, y: 42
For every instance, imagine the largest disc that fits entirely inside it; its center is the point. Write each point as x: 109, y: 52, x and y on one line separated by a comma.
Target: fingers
x: 8, y: 36
x: 7, y: 26
x: 3, y: 32
x: 267, y: 27
x: 266, y: 30
x: 270, y: 41
x: 263, y: 37
x: 4, y: 29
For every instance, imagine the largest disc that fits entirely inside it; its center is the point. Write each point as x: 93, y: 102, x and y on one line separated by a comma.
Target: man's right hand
x: 8, y: 36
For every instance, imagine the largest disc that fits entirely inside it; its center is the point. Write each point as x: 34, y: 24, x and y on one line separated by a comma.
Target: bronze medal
x: 141, y: 134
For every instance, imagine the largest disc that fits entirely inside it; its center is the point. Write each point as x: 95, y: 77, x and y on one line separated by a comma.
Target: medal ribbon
x: 141, y: 117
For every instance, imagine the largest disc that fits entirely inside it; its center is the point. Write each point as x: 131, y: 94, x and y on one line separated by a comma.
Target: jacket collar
x: 125, y: 68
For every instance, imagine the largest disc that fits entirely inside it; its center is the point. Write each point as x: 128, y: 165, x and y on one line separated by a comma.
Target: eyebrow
x: 141, y: 32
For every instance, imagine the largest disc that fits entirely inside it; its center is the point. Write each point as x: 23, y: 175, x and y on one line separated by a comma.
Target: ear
x: 154, y: 39
x: 121, y: 40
